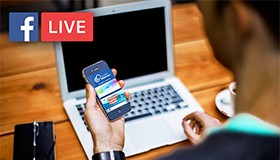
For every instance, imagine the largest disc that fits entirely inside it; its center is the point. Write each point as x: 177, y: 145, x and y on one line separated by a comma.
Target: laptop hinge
x: 130, y: 86
x: 147, y: 83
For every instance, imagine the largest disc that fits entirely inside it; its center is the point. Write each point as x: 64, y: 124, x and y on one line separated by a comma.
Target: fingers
x: 121, y: 83
x: 192, y: 136
x: 114, y: 72
x: 189, y: 116
x: 196, y: 127
x: 127, y: 95
x: 201, y: 121
x: 91, y: 97
x: 192, y: 123
x: 200, y: 117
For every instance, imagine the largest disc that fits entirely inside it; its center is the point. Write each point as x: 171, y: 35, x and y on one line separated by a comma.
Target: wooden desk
x: 30, y: 89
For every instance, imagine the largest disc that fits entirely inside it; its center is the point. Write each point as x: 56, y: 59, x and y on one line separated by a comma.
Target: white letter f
x: 26, y: 28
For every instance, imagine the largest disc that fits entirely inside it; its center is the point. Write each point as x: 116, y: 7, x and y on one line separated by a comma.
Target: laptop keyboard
x: 81, y: 109
x: 153, y: 101
x: 149, y: 102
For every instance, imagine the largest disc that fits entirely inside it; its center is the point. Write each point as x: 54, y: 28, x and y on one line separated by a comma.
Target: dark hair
x: 268, y: 10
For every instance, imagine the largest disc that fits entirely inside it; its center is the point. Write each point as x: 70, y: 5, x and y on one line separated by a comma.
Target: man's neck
x: 258, y: 82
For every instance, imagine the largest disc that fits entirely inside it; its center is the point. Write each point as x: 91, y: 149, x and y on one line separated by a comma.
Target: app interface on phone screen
x: 108, y: 90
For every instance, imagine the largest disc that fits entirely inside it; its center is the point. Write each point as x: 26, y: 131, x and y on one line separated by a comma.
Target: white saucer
x: 223, y: 103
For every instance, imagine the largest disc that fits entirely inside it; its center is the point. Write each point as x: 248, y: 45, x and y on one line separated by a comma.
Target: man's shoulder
x: 231, y: 146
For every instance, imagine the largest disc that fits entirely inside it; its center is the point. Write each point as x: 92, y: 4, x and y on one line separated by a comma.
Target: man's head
x: 231, y: 25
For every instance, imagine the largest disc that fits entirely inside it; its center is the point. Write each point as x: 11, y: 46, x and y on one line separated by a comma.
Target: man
x: 245, y: 38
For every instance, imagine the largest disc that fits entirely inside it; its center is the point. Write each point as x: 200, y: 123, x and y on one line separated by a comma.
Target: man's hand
x: 106, y: 135
x: 196, y: 123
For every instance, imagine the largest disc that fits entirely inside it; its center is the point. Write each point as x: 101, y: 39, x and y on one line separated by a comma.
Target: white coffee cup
x: 232, y: 90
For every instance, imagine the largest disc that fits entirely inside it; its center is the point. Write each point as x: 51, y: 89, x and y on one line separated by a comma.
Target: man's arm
x: 108, y: 137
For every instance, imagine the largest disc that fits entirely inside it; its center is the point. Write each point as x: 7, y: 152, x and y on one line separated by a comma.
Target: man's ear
x: 243, y: 19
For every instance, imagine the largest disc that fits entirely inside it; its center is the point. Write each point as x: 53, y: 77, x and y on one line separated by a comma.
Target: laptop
x: 135, y: 39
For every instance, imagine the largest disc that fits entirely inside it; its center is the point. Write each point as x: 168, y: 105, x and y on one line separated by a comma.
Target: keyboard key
x: 138, y: 116
x: 177, y: 100
x: 170, y: 107
x: 79, y: 107
x: 157, y: 112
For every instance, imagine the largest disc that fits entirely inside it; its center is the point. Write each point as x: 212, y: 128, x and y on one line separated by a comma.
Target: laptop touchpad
x: 150, y: 134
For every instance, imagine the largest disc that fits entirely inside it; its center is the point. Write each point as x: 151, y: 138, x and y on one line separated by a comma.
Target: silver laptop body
x: 163, y: 124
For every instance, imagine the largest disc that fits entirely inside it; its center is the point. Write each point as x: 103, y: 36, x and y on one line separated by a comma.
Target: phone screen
x: 108, y: 90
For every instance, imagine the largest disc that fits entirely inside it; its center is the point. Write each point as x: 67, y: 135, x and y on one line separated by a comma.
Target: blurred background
x: 55, y: 6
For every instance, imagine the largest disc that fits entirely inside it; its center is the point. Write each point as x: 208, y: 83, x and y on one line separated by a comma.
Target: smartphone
x: 108, y: 91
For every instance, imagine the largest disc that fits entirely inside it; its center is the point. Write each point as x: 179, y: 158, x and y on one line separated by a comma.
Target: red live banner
x: 66, y: 26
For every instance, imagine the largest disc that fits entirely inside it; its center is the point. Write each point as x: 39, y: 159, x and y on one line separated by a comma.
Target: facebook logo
x: 23, y: 26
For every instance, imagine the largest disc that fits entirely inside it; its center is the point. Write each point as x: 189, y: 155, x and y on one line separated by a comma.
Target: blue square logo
x: 23, y: 26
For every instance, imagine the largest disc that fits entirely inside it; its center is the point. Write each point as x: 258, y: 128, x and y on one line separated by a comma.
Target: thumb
x: 90, y: 95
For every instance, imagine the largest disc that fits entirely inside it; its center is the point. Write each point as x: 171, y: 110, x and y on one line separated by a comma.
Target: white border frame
x: 133, y: 81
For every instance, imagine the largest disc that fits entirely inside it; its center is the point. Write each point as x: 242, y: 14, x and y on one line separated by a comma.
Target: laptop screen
x: 134, y: 43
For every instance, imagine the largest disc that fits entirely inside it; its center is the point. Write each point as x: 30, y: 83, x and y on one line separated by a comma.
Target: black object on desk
x: 34, y: 141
